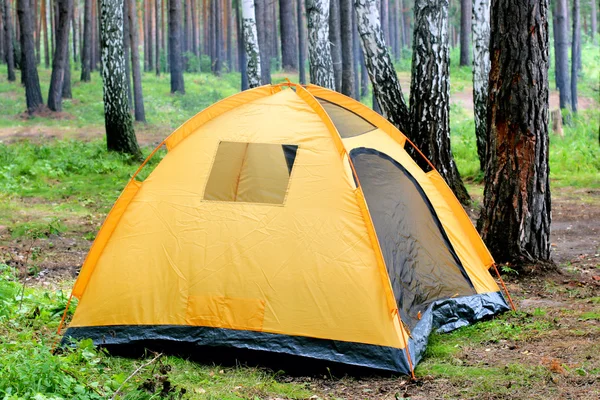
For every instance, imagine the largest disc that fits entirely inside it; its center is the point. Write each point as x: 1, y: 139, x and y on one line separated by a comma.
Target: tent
x: 287, y: 219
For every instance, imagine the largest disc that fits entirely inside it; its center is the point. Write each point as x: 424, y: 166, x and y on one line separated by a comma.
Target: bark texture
x: 319, y: 51
x: 8, y: 41
x: 346, y: 29
x: 481, y: 72
x: 289, y: 46
x: 465, y: 31
x: 138, y: 97
x: 515, y: 218
x: 251, y: 43
x: 562, y: 56
x: 386, y: 85
x: 175, y: 55
x: 335, y: 40
x: 261, y: 12
x: 301, y: 42
x: 575, y: 53
x: 59, y: 60
x: 86, y: 50
x: 430, y: 92
x: 120, y: 135
x: 33, y: 94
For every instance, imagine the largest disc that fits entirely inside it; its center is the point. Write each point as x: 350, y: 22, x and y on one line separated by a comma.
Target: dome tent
x: 286, y: 219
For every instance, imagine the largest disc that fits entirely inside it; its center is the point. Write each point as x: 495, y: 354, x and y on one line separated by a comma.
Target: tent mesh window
x: 346, y: 122
x: 251, y: 172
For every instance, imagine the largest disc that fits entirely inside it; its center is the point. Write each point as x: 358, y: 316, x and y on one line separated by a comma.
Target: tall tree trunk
x: 66, y: 87
x: 251, y: 43
x: 335, y: 38
x: 74, y: 29
x: 515, y: 217
x: 157, y: 33
x: 355, y: 55
x: 430, y: 92
x: 150, y: 36
x: 347, y: 48
x: 33, y: 94
x: 594, y: 20
x: 194, y: 6
x: 127, y: 54
x: 301, y: 42
x: 59, y: 60
x: 175, y: 56
x: 364, y: 74
x: 241, y: 47
x: 218, y: 37
x: 465, y: 31
x: 481, y: 73
x: 45, y: 32
x: 575, y: 53
x: 271, y: 38
x: 138, y: 98
x: 86, y: 50
x: 120, y: 135
x: 386, y: 86
x: 37, y: 26
x: 186, y: 26
x: 562, y: 57
x: 402, y: 28
x: 228, y: 15
x: 2, y: 41
x: 319, y: 51
x: 263, y: 44
x: 289, y: 46
x: 8, y: 41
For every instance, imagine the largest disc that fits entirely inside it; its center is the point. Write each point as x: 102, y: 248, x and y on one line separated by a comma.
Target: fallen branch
x: 134, y: 373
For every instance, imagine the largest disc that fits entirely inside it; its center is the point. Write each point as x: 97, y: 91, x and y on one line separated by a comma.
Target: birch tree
x: 481, y: 72
x: 319, y: 50
x: 515, y: 217
x: 118, y: 123
x: 251, y: 43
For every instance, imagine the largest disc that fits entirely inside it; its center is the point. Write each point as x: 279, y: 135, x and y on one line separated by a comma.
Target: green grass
x: 29, y: 318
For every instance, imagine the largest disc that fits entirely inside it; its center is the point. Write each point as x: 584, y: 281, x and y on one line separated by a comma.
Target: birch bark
x: 481, y: 72
x: 251, y: 43
x: 319, y: 50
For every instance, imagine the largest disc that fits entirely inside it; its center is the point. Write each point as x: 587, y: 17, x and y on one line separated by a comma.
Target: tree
x: 59, y: 59
x: 251, y: 43
x: 594, y: 22
x: 175, y: 56
x: 157, y: 32
x: 289, y: 47
x: 465, y: 31
x: 430, y: 91
x: 8, y: 41
x: 347, y: 47
x: 562, y: 57
x: 263, y: 41
x: 515, y: 218
x: 138, y: 97
x: 86, y: 50
x: 319, y: 50
x: 386, y: 86
x: 575, y: 53
x: 481, y: 72
x: 335, y: 39
x: 33, y: 93
x: 120, y: 135
x: 301, y: 42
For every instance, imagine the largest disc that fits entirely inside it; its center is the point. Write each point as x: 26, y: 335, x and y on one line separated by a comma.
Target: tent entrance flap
x: 421, y: 262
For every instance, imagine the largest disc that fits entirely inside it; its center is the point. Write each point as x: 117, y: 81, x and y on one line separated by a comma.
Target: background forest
x: 61, y: 107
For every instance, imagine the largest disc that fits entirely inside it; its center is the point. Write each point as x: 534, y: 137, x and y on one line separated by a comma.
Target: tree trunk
x: 33, y: 94
x: 430, y: 92
x: 575, y: 53
x: 138, y: 98
x: 402, y: 28
x: 45, y: 33
x: 218, y: 38
x: 335, y: 38
x: 241, y: 47
x: 347, y: 47
x: 251, y: 43
x: 319, y: 51
x: 175, y: 56
x: 515, y: 217
x: 8, y: 41
x: 37, y: 26
x: 120, y: 135
x: 127, y: 54
x: 157, y: 32
x: 386, y: 86
x: 59, y: 60
x: 2, y: 41
x: 594, y: 20
x: 356, y: 55
x: 229, y: 36
x: 86, y: 50
x: 289, y: 47
x: 66, y: 87
x: 270, y: 38
x: 364, y: 74
x: 465, y: 31
x: 149, y: 37
x: 194, y: 6
x: 481, y: 72
x: 562, y: 57
x: 263, y: 45
x: 301, y: 42
x: 74, y: 30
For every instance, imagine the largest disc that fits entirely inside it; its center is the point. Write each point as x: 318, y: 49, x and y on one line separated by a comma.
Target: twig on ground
x: 134, y: 373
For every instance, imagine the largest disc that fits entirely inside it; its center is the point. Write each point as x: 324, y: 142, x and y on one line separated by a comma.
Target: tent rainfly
x: 287, y: 219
